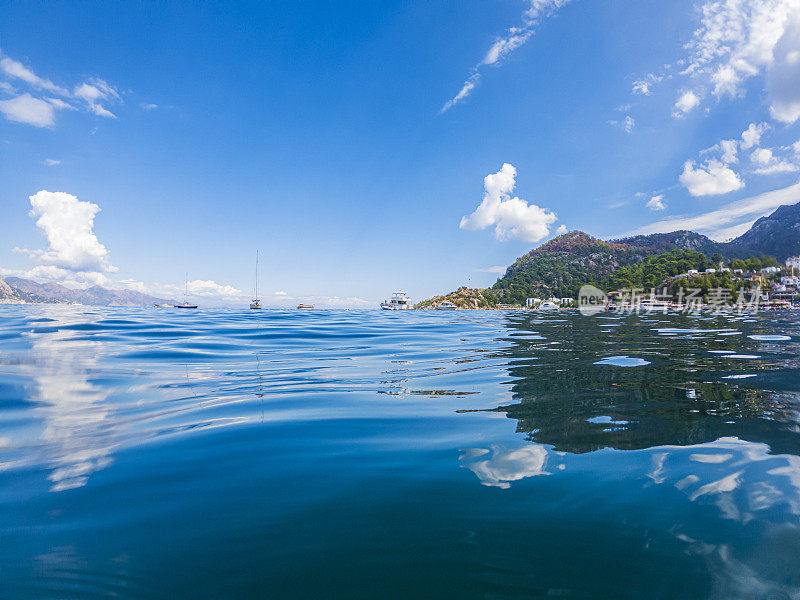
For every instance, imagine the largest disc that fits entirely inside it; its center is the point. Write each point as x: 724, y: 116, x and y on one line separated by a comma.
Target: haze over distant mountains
x: 777, y: 235
x: 18, y: 290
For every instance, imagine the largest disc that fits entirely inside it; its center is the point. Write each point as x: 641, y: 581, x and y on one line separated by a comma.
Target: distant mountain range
x: 18, y: 290
x: 776, y: 235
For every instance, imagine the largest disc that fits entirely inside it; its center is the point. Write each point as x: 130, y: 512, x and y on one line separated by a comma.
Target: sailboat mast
x: 186, y: 291
x: 256, y: 274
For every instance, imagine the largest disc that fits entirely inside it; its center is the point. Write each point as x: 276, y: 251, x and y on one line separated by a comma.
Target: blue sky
x: 350, y: 142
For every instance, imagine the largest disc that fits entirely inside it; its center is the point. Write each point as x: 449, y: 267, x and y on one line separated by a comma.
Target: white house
x: 565, y: 301
x: 791, y: 280
x: 533, y: 302
x: 692, y: 272
x: 768, y: 270
x: 738, y: 271
x: 711, y: 270
x: 793, y: 262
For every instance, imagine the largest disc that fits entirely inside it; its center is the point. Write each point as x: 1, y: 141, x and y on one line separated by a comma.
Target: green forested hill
x: 562, y: 265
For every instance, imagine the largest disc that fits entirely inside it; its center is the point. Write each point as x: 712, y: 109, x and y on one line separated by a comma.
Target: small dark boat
x: 305, y: 306
x: 185, y: 305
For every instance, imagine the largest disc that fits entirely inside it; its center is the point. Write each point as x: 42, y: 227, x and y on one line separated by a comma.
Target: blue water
x: 153, y: 453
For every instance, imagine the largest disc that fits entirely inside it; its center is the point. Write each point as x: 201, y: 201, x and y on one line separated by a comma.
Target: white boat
x: 256, y: 303
x: 446, y: 306
x: 547, y: 306
x: 186, y: 303
x: 162, y: 305
x: 398, y: 301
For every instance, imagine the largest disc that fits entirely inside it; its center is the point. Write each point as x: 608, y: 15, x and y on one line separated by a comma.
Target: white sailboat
x: 256, y: 303
x: 185, y: 303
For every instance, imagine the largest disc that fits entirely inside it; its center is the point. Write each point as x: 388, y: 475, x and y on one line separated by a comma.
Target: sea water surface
x: 154, y: 453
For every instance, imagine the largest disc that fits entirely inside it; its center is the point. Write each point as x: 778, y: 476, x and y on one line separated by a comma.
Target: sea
x: 159, y: 453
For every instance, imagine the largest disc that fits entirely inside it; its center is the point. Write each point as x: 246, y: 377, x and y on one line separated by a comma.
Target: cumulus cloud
x: 65, y: 277
x: 512, y: 218
x: 729, y: 149
x: 656, y: 202
x: 783, y: 74
x: 768, y: 164
x: 740, y: 39
x: 727, y: 221
x: 752, y: 135
x: 711, y: 179
x: 210, y: 288
x: 685, y: 103
x: 561, y: 229
x: 513, y: 38
x: 68, y: 225
x: 29, y: 110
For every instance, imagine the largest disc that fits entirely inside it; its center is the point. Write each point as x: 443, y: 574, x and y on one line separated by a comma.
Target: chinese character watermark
x: 592, y: 300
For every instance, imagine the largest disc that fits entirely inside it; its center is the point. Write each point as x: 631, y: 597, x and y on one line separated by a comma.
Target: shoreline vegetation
x: 557, y: 270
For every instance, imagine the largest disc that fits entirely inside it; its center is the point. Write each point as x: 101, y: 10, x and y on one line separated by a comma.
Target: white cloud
x: 34, y: 108
x: 95, y: 89
x: 29, y: 110
x: 783, y: 75
x: 768, y: 164
x: 59, y: 103
x: 709, y: 180
x: 656, y: 202
x: 684, y: 104
x: 752, y: 135
x: 627, y: 123
x: 100, y: 111
x: 149, y: 106
x: 762, y: 156
x: 512, y: 218
x: 68, y: 224
x: 643, y: 87
x: 210, y: 288
x: 740, y: 39
x: 513, y: 38
x: 280, y: 293
x: 561, y: 229
x: 465, y: 91
x: 729, y: 220
x: 17, y: 70
x: 65, y: 277
x: 500, y: 269
x: 729, y: 151
x: 51, y: 162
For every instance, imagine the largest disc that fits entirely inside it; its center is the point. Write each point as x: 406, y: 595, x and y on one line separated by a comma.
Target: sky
x: 366, y: 147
